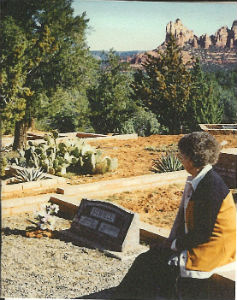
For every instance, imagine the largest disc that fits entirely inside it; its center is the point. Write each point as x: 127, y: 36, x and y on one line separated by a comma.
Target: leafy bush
x: 167, y: 163
x: 143, y: 123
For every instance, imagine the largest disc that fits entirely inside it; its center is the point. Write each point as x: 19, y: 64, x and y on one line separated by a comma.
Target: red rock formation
x: 222, y: 36
x: 234, y: 34
x: 179, y: 31
x: 195, y: 42
x: 217, y: 49
x: 205, y: 41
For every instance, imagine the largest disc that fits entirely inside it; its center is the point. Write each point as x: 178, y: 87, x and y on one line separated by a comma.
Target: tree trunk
x: 20, y: 137
x: 32, y: 124
x: 0, y: 134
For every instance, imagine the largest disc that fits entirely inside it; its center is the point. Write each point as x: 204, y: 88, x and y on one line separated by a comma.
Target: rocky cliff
x: 218, y: 49
x: 224, y: 37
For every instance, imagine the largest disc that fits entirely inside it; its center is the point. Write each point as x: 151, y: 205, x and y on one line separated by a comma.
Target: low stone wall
x: 89, y: 135
x: 38, y: 138
x: 31, y: 188
x: 227, y: 166
x: 15, y: 206
x: 219, y: 128
x: 22, y: 197
x: 108, y: 187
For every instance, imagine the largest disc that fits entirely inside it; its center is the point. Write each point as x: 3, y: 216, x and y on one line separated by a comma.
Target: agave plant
x: 29, y: 174
x: 167, y: 163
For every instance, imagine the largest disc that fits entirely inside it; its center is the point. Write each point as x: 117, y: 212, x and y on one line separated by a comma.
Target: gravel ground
x: 52, y: 268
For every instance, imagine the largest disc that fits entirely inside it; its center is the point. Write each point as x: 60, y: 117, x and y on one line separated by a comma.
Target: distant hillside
x: 123, y: 54
x: 215, y: 51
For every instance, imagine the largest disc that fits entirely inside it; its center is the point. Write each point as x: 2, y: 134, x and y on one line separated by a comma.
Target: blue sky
x: 140, y: 25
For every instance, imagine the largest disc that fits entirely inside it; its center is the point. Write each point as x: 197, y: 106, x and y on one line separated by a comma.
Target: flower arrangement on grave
x: 44, y: 222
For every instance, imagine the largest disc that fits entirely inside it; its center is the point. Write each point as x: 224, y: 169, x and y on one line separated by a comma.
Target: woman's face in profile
x: 187, y: 164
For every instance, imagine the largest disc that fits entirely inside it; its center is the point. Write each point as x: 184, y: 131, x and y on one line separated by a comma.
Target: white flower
x: 42, y: 214
x: 43, y: 226
x: 44, y: 220
x: 51, y: 219
x: 51, y: 222
x: 55, y: 208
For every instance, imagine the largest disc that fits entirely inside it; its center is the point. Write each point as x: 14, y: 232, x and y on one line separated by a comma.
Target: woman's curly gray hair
x: 200, y: 147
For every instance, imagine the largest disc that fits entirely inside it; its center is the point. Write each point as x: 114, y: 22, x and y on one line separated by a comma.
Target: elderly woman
x: 202, y: 238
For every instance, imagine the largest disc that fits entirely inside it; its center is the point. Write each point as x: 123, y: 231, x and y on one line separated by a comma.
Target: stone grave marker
x: 106, y: 226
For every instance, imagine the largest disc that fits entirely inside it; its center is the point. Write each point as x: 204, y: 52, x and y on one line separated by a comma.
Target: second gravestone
x: 105, y: 225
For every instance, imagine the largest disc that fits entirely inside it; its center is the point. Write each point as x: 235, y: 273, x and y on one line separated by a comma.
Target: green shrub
x: 144, y: 123
x: 167, y: 163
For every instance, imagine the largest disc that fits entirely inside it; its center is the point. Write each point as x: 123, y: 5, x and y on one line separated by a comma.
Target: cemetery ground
x: 135, y: 156
x: 52, y: 268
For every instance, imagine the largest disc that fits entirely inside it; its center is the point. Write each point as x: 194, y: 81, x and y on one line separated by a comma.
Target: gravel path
x: 51, y: 268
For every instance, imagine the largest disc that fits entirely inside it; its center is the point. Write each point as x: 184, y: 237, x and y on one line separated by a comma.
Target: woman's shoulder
x: 212, y: 185
x: 215, y: 178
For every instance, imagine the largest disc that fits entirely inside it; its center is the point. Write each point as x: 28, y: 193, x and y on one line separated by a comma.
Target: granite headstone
x: 105, y: 225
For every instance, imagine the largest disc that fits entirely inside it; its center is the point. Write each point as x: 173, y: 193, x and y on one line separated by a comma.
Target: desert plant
x: 167, y: 163
x: 3, y: 164
x: 57, y: 158
x: 29, y: 174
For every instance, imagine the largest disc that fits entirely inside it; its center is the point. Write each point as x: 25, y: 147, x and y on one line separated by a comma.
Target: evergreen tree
x: 65, y: 111
x: 226, y: 85
x: 55, y: 54
x: 12, y: 74
x: 180, y: 97
x: 165, y: 86
x: 204, y: 105
x: 110, y: 99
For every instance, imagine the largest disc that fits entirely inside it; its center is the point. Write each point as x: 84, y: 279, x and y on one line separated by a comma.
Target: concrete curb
x: 108, y: 187
x: 219, y: 128
x: 31, y: 188
x: 13, y: 195
x: 16, y: 206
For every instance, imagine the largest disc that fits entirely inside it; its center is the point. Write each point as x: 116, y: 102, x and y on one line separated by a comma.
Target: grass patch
x: 164, y: 148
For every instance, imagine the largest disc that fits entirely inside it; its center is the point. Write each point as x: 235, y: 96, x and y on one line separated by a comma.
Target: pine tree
x: 204, y: 105
x: 110, y: 99
x: 12, y: 74
x: 55, y: 55
x: 165, y: 86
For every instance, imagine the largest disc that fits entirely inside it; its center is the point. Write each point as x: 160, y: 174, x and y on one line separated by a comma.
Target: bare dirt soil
x: 134, y: 159
x: 157, y: 206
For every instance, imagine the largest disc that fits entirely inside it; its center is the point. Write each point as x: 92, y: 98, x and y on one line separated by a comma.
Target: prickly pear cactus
x: 56, y: 158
